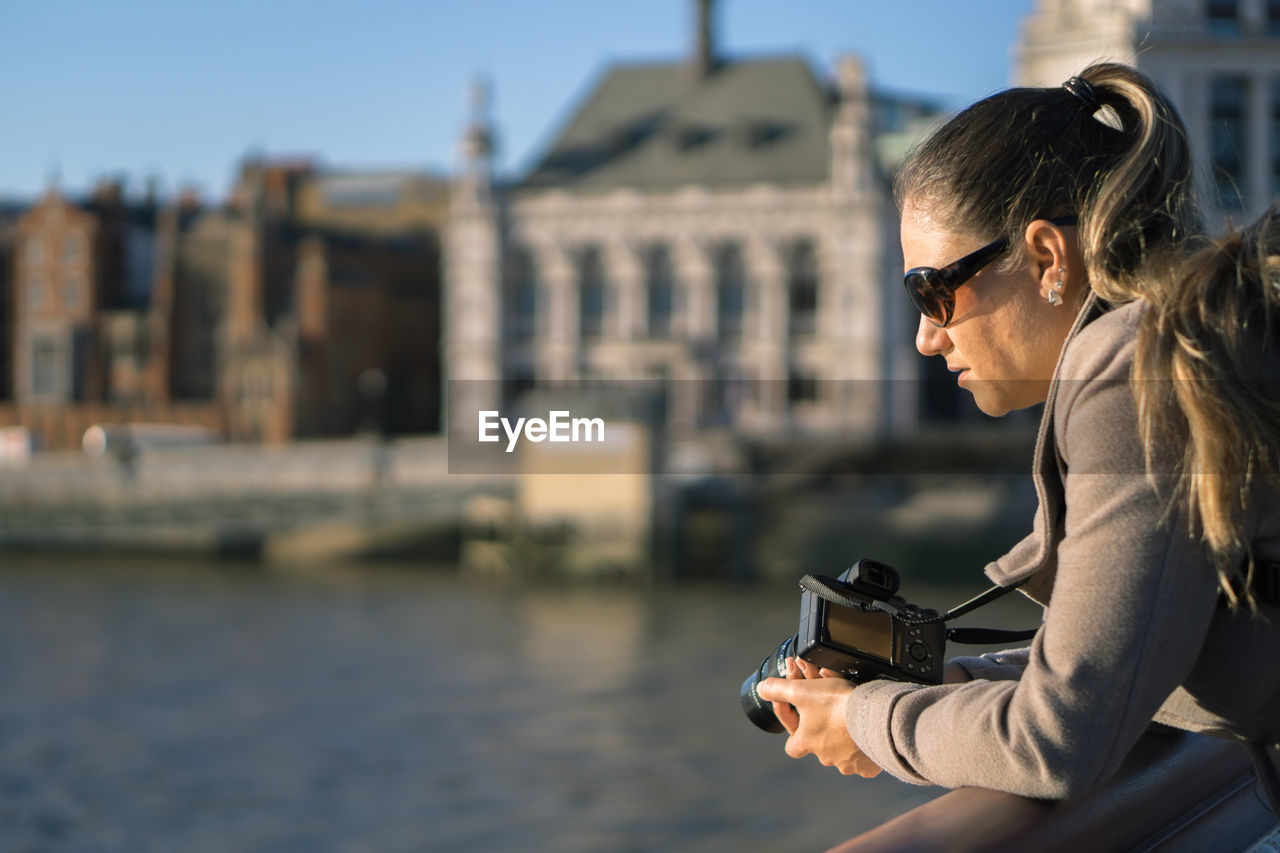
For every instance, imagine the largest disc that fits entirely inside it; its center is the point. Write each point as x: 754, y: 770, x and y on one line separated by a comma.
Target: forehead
x: 928, y: 240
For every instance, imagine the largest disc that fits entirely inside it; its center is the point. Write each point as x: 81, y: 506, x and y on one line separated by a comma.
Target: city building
x: 313, y: 299
x: 1218, y: 60
x: 719, y: 227
x: 9, y: 214
x: 306, y: 306
x: 83, y: 342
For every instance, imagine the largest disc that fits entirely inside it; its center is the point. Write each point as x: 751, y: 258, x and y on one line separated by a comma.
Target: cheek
x: 966, y: 301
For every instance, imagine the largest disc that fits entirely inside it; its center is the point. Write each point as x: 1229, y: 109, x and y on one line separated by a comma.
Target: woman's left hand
x: 810, y: 705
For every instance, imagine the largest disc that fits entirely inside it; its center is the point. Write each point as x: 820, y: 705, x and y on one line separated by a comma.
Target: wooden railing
x: 1175, y: 792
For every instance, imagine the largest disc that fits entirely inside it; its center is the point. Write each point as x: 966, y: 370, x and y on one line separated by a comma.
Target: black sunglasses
x: 933, y: 291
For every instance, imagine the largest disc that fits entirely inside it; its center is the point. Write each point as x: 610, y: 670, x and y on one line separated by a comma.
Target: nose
x: 930, y: 340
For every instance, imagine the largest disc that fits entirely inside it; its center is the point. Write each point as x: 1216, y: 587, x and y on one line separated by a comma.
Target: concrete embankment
x: 302, y: 501
x: 925, y: 505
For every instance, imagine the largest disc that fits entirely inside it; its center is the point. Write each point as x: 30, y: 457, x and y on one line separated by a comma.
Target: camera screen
x: 869, y: 633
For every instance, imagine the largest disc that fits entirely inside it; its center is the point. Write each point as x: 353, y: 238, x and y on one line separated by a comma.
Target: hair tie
x: 1082, y: 90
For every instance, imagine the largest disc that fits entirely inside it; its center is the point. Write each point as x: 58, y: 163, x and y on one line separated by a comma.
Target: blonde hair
x: 1205, y: 375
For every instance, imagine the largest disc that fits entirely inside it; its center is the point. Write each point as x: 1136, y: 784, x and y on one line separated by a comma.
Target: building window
x: 1223, y: 17
x: 731, y: 290
x: 47, y: 357
x: 255, y: 385
x: 71, y: 248
x: 802, y: 288
x: 1275, y: 138
x: 591, y: 293
x: 522, y: 293
x: 660, y: 287
x: 1272, y: 23
x: 1228, y: 100
x: 71, y: 293
x: 802, y: 387
x: 34, y: 250
x: 725, y: 395
x: 518, y: 382
x: 35, y: 292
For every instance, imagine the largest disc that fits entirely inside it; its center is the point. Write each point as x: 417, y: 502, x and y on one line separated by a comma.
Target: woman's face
x: 1004, y: 338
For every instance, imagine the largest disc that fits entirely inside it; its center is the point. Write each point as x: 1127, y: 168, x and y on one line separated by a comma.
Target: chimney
x: 151, y: 191
x: 188, y: 199
x: 108, y: 192
x: 704, y: 47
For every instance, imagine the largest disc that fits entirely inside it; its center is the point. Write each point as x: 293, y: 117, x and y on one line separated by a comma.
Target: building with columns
x: 721, y: 228
x: 1218, y: 60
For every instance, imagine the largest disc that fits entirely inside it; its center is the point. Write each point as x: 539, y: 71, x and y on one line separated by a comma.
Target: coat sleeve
x: 995, y: 666
x: 1131, y: 604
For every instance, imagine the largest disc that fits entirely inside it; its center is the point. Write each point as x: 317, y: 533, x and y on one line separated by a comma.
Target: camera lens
x: 758, y: 710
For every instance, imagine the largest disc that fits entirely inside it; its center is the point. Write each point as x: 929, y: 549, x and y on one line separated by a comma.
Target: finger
x: 808, y: 669
x: 795, y: 748
x: 776, y: 690
x: 792, y: 670
x: 829, y: 673
x: 865, y: 767
x: 787, y: 715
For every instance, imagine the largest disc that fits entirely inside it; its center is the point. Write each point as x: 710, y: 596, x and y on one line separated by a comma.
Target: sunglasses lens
x: 931, y: 299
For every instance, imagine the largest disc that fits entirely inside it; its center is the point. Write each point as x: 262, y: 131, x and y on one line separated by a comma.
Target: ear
x: 1048, y: 254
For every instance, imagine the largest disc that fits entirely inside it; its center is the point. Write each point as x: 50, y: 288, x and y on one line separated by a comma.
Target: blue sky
x: 182, y: 90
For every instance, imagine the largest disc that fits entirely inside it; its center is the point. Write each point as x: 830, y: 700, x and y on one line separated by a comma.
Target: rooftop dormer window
x: 760, y: 133
x: 693, y: 136
x: 1223, y: 17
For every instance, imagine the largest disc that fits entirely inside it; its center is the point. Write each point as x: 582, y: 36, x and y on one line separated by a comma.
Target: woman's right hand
x: 813, y: 715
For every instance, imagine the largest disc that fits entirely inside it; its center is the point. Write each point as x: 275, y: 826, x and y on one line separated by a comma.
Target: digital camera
x: 857, y: 626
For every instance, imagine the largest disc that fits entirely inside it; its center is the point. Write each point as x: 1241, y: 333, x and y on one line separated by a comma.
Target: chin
x: 991, y: 405
x: 997, y: 399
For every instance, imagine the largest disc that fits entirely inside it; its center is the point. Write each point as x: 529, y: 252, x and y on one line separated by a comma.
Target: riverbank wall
x: 745, y: 512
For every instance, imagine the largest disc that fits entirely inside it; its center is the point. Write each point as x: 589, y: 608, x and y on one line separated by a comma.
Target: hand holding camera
x: 853, y: 629
x: 810, y: 705
x: 856, y: 627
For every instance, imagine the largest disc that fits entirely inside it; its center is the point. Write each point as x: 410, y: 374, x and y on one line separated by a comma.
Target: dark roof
x: 660, y: 125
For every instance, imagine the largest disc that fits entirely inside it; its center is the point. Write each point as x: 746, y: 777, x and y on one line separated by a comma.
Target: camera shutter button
x: 918, y: 650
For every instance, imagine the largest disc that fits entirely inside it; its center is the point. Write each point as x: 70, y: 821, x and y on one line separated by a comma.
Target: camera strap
x: 839, y: 592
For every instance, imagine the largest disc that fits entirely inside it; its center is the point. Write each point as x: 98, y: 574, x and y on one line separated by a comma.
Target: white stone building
x: 1218, y: 60
x: 722, y: 228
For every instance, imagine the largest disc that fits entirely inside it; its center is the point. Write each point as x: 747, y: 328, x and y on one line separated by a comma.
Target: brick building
x: 330, y: 322
x: 9, y: 214
x: 306, y: 306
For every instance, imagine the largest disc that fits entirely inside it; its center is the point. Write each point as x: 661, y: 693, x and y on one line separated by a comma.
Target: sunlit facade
x: 720, y: 228
x: 1218, y: 60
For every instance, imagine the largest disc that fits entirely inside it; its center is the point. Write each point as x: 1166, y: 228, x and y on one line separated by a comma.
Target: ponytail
x: 1205, y: 376
x: 1140, y: 209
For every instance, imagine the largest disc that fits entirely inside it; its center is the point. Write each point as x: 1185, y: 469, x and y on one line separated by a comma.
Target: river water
x: 150, y: 706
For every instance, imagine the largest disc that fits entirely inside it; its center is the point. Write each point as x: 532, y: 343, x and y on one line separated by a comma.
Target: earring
x: 1062, y: 271
x: 1054, y: 299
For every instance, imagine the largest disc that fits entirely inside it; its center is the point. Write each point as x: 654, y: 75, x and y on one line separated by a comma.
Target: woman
x: 1080, y: 284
